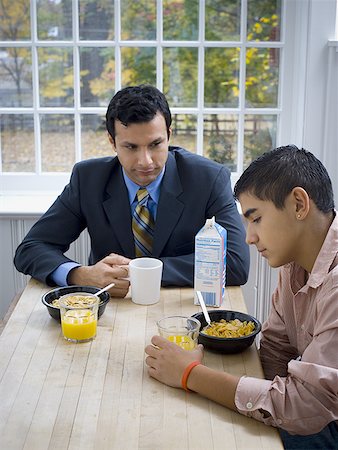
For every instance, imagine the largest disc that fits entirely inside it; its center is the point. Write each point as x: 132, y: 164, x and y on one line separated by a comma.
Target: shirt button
x: 279, y: 421
x: 249, y: 405
x: 302, y: 327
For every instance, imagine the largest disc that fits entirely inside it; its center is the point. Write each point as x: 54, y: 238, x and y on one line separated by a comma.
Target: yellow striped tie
x: 143, y: 225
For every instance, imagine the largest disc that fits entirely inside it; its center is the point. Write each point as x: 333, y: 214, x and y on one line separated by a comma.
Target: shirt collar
x: 152, y: 188
x: 326, y: 259
x: 326, y: 256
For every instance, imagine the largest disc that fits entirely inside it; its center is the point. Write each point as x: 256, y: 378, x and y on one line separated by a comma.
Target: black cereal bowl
x: 56, y: 293
x: 227, y: 345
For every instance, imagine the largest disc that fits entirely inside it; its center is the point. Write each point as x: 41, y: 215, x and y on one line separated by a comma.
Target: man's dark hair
x: 136, y: 104
x: 273, y: 175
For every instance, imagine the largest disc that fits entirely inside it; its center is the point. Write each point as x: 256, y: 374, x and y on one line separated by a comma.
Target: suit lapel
x: 169, y: 207
x: 117, y: 208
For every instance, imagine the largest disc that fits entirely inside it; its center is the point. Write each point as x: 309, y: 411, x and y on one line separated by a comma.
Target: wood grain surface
x: 98, y: 395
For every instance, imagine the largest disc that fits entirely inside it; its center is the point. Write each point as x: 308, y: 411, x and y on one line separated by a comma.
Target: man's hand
x: 111, y: 269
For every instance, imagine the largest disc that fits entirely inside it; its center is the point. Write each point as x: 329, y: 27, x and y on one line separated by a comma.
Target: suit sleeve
x: 43, y: 248
x: 179, y: 270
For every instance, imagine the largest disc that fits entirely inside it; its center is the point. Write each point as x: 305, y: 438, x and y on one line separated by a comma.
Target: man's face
x: 142, y: 148
x: 274, y: 231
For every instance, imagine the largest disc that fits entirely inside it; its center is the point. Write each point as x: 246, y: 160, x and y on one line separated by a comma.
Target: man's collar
x: 152, y: 188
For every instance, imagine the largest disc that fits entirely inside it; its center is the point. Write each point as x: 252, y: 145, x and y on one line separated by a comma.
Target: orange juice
x: 185, y: 342
x: 79, y: 325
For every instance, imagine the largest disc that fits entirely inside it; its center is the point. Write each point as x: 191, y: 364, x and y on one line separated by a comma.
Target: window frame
x: 54, y: 181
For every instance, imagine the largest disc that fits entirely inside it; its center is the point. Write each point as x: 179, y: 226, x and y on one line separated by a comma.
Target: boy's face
x: 274, y: 231
x: 142, y: 148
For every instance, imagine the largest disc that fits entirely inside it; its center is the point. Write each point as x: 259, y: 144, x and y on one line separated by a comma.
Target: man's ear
x: 169, y: 133
x: 301, y: 201
x: 111, y: 140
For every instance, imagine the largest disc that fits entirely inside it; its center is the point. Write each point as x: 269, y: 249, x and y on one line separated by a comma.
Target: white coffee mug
x: 145, y: 276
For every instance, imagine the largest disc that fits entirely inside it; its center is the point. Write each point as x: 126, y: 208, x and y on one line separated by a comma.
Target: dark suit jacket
x: 193, y: 189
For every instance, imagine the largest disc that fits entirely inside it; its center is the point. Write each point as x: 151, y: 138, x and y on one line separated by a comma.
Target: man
x: 104, y: 196
x: 286, y: 197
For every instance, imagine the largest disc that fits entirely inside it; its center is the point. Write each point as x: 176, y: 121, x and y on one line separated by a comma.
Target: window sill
x: 29, y: 204
x: 32, y: 204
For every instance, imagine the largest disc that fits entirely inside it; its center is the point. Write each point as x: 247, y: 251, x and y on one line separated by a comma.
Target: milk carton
x: 210, y: 263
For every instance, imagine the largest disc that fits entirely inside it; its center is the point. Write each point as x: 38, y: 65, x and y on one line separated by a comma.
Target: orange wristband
x: 186, y: 374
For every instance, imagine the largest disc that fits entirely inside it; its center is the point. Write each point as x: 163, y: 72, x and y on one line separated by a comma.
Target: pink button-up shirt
x: 299, y: 349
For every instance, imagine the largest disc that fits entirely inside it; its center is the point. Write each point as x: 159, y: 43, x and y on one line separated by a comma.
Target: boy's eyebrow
x: 249, y: 211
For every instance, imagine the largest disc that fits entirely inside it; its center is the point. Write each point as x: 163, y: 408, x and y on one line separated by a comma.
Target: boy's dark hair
x: 273, y: 175
x: 136, y: 104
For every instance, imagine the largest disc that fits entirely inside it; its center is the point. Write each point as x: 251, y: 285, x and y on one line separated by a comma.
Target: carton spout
x: 210, y: 222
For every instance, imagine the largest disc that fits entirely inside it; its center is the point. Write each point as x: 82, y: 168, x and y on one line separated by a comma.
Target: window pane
x: 54, y: 19
x: 56, y: 76
x: 180, y: 20
x: 262, y: 70
x: 15, y: 20
x: 138, y: 20
x: 97, y: 74
x: 221, y: 72
x: 222, y: 20
x: 184, y: 131
x: 138, y: 65
x: 180, y: 76
x: 15, y: 77
x: 259, y: 136
x: 96, y: 19
x: 57, y: 142
x: 94, y: 138
x: 220, y: 138
x: 17, y: 143
x: 264, y: 20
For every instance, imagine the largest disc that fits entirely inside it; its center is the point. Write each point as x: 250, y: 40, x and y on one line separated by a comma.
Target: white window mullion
x: 280, y: 78
x: 117, y: 26
x: 36, y: 90
x: 76, y: 72
x: 159, y: 48
x: 242, y: 76
x: 200, y: 78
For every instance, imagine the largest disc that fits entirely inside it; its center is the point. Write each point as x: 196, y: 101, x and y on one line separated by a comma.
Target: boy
x: 286, y: 197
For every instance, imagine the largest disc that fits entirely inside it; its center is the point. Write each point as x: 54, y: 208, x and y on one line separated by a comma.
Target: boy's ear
x: 301, y: 201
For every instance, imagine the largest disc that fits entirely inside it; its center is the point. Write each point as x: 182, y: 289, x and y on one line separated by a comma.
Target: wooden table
x: 98, y: 395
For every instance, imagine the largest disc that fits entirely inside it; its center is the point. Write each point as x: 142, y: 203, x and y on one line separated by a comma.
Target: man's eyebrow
x: 154, y: 141
x: 249, y: 211
x: 127, y: 143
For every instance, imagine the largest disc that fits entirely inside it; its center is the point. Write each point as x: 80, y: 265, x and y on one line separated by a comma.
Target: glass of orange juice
x: 182, y: 330
x: 79, y: 316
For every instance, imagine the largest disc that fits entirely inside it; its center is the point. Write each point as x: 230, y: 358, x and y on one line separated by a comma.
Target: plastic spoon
x: 105, y: 289
x: 204, y: 309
